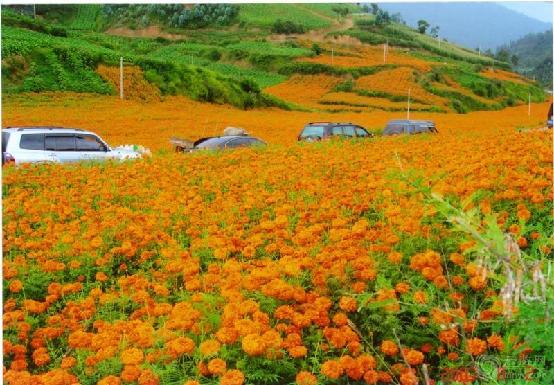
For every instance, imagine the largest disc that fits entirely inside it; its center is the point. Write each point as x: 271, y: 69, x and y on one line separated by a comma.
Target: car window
x: 32, y: 142
x: 349, y: 130
x: 337, y: 130
x: 60, y: 143
x: 240, y: 142
x: 312, y: 131
x: 89, y: 143
x: 5, y: 138
x: 361, y: 132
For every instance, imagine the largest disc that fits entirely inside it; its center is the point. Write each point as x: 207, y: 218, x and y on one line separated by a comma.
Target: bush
x: 287, y: 27
x: 212, y: 54
x: 316, y: 49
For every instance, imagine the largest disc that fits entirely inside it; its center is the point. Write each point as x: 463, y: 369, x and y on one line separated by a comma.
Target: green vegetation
x: 171, y: 15
x: 501, y: 93
x: 264, y: 16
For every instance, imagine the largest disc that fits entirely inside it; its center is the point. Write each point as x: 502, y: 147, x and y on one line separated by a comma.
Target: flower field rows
x: 504, y: 75
x: 397, y: 82
x: 306, y: 264
x: 366, y: 56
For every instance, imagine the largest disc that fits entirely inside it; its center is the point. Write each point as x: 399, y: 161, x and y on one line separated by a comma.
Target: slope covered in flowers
x: 293, y: 263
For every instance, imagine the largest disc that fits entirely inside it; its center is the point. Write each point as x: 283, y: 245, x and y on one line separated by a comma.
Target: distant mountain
x: 487, y: 25
x: 534, y: 56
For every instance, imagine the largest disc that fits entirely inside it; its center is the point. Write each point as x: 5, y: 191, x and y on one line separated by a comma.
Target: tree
x: 316, y: 49
x: 435, y: 31
x: 382, y: 18
x: 374, y: 8
x: 503, y: 55
x: 515, y: 60
x: 341, y: 11
x: 422, y: 26
x: 397, y: 18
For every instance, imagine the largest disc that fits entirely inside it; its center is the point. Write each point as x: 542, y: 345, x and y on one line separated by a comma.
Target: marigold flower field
x: 295, y: 263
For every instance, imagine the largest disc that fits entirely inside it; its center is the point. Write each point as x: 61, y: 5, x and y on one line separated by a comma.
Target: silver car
x: 57, y: 145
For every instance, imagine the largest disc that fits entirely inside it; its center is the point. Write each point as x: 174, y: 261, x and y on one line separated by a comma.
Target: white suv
x: 58, y: 145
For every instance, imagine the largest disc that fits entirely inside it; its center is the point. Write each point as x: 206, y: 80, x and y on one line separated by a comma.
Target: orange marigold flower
x: 331, y: 369
x: 305, y: 378
x: 147, y: 377
x: 452, y: 356
x: 130, y: 373
x: 191, y: 382
x: 449, y: 337
x: 366, y: 362
x: 394, y: 257
x: 389, y: 348
x: 101, y: 276
x: 179, y: 346
x: 232, y: 377
x: 110, y: 380
x: 297, y: 351
x: 68, y: 362
x: 209, y: 347
x: 402, y: 287
x: 15, y: 286
x: 132, y: 356
x: 420, y: 297
x: 495, y: 341
x: 217, y: 366
x: 457, y: 259
x: 414, y: 357
x: 522, y: 242
x: 408, y: 378
x: 340, y: 319
x: 253, y: 345
x: 348, y: 304
x: 476, y: 346
x: 371, y: 377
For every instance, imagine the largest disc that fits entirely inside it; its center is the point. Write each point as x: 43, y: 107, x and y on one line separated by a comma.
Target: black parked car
x: 325, y: 130
x: 405, y: 126
x: 224, y: 142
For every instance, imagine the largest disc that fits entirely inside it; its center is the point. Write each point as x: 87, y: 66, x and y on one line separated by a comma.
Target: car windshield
x: 312, y: 131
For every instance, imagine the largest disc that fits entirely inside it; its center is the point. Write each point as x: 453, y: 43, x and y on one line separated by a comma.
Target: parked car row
x: 324, y: 130
x: 66, y: 145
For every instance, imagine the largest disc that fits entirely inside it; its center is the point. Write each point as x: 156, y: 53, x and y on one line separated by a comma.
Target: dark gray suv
x: 324, y: 130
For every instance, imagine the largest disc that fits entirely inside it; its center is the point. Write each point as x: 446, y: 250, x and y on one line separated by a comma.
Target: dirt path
x: 152, y: 31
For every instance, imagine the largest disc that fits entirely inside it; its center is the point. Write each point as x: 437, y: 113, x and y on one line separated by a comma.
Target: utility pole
x: 34, y: 11
x: 332, y: 56
x: 121, y: 78
x: 385, y: 51
x: 409, y: 92
x: 479, y: 50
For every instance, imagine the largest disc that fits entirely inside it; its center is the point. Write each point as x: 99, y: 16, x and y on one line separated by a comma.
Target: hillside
x: 253, y: 56
x: 534, y: 56
x: 485, y: 24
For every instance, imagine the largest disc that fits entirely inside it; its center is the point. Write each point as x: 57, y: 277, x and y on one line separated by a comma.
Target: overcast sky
x: 541, y: 10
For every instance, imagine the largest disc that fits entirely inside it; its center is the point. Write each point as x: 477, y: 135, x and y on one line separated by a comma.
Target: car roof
x: 222, y: 139
x: 328, y: 123
x: 46, y: 129
x: 409, y: 121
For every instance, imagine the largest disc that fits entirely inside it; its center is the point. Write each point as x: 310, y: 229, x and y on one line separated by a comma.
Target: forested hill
x: 533, y: 54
